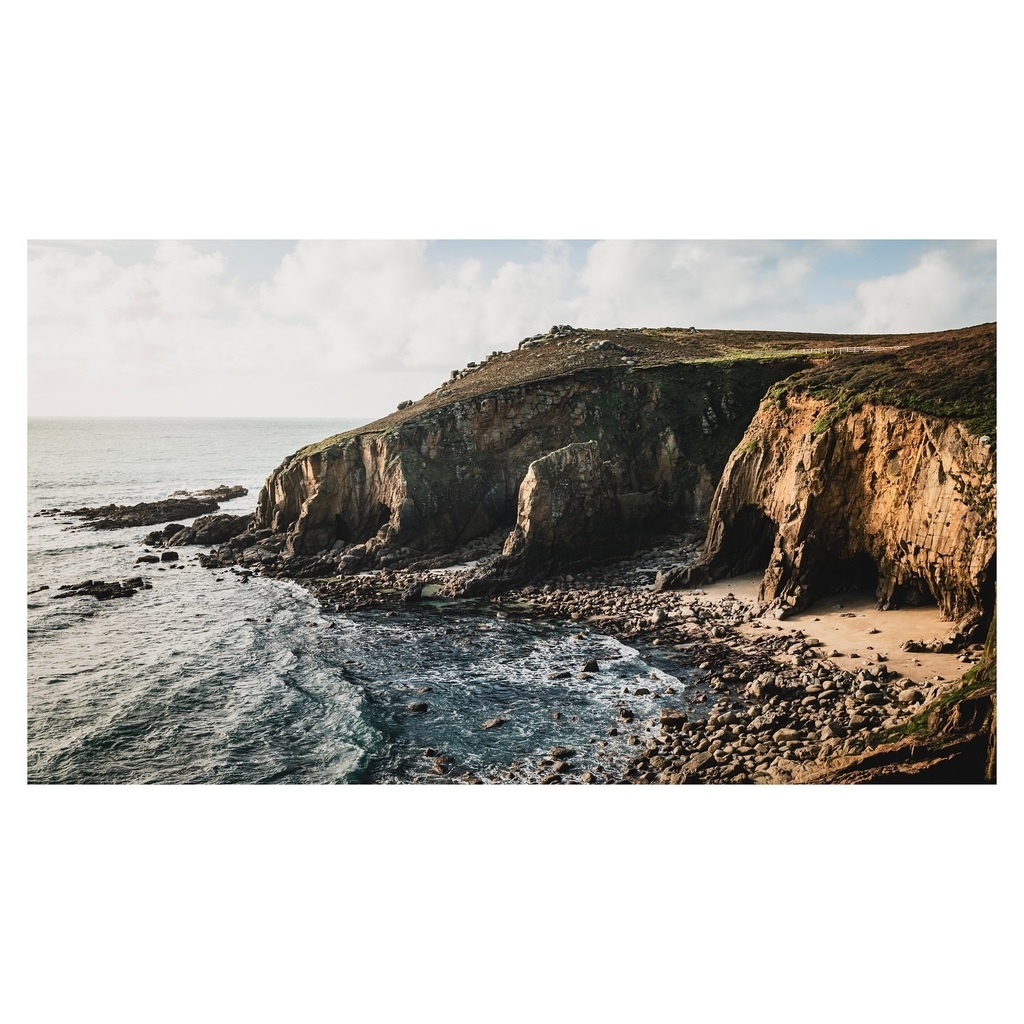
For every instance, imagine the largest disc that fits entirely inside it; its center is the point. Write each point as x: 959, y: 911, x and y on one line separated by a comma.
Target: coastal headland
x: 808, y: 522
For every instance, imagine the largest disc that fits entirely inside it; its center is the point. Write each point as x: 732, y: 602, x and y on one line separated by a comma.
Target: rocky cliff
x: 873, y: 473
x: 823, y: 462
x: 449, y: 469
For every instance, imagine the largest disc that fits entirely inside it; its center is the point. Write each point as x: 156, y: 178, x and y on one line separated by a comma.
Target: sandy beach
x: 851, y: 625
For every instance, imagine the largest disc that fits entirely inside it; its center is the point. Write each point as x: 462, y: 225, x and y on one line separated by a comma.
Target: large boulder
x: 567, y: 512
x: 567, y: 508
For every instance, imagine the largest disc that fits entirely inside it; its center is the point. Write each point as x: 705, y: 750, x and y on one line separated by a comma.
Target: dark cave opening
x: 858, y: 572
x: 342, y: 531
x: 347, y: 534
x: 751, y: 541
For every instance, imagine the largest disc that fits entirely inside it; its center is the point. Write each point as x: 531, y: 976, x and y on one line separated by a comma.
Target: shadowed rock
x: 180, y: 505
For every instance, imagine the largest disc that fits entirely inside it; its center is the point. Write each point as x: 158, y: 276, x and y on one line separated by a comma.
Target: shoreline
x: 761, y: 701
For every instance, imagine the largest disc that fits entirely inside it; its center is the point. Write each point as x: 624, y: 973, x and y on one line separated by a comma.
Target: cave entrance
x: 347, y: 534
x: 912, y: 594
x: 987, y: 596
x: 383, y: 515
x: 751, y: 541
x: 342, y: 531
x: 859, y: 572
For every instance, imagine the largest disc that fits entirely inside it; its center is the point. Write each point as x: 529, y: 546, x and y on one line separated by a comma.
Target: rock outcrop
x: 179, y: 505
x: 438, y: 479
x: 824, y: 498
x: 205, y: 530
x: 567, y: 508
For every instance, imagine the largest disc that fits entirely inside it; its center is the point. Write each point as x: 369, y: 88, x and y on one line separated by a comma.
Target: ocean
x: 206, y: 678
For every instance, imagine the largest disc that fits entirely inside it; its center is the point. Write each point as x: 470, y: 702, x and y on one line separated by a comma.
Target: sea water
x: 209, y: 678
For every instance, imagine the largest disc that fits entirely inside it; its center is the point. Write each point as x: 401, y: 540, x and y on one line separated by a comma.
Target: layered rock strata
x: 437, y: 480
x: 881, y: 497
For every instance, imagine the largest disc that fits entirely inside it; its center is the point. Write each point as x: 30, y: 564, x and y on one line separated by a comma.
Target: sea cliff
x: 826, y: 464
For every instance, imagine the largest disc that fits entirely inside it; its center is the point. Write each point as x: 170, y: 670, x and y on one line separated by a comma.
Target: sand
x: 842, y: 623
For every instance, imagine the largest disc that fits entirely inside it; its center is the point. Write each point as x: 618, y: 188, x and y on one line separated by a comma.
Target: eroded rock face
x: 453, y: 474
x: 881, y: 496
x: 567, y: 507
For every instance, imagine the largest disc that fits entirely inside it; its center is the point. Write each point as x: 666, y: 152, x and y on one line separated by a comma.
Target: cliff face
x: 567, y: 507
x: 825, y: 493
x: 442, y: 477
x: 871, y: 466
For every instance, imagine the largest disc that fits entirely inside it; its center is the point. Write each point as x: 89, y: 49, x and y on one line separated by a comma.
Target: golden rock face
x: 912, y: 493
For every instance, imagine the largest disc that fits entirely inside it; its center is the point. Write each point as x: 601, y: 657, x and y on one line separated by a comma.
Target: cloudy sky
x: 349, y: 328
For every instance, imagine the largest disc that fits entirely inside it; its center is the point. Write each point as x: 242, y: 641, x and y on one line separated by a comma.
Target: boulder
x: 567, y: 508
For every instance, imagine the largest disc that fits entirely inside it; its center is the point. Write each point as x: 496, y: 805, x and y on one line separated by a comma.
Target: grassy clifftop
x: 951, y: 375
x: 567, y: 350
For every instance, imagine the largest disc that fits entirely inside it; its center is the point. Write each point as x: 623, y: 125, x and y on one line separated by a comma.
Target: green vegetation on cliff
x: 952, y: 376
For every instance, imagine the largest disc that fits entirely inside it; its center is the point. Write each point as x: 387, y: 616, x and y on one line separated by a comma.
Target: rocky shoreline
x: 758, y: 701
x: 561, y: 480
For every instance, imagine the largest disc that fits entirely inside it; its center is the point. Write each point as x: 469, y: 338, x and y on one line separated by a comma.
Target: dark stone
x: 169, y: 556
x: 180, y: 505
x: 102, y: 590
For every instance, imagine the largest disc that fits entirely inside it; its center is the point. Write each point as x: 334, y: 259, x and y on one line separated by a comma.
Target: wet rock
x: 493, y: 723
x: 102, y: 590
x: 179, y: 505
x: 671, y: 720
x: 417, y: 707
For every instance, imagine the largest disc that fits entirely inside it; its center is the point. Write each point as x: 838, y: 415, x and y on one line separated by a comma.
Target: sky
x: 351, y: 328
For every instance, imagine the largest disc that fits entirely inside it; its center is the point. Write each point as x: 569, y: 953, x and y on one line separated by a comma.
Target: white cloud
x: 946, y: 287
x: 660, y: 283
x: 350, y: 328
x: 373, y: 301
